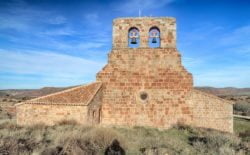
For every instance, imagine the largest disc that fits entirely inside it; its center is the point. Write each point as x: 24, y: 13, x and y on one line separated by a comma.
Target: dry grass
x: 67, y: 122
x: 69, y: 138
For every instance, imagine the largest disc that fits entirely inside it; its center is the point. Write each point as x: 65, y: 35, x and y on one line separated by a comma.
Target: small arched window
x: 133, y: 37
x: 154, y: 40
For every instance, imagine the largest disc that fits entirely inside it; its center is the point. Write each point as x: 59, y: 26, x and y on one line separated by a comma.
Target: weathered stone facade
x: 159, y: 74
x: 210, y: 111
x: 139, y: 86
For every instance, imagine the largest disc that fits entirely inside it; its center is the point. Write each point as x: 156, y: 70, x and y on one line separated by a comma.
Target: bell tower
x: 144, y: 82
x: 127, y: 29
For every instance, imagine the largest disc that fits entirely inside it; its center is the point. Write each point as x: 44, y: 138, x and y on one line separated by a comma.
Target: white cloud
x: 84, y: 47
x: 190, y: 62
x: 200, y: 32
x: 91, y: 16
x: 237, y: 41
x: 243, y: 30
x: 57, y: 20
x: 13, y: 23
x: 89, y: 45
x: 48, y: 64
x: 235, y: 76
x: 58, y: 32
x: 244, y: 49
x: 21, y: 16
x: 236, y: 36
x: 92, y: 19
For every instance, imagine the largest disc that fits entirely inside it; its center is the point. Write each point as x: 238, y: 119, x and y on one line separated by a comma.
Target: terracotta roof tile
x: 81, y: 95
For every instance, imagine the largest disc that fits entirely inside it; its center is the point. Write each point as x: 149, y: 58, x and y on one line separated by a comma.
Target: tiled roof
x: 81, y: 95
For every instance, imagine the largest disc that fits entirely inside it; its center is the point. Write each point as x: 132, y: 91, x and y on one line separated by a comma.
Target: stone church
x: 143, y: 84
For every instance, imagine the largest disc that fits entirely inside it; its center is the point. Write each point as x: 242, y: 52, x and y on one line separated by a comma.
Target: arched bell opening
x: 133, y: 37
x: 154, y: 40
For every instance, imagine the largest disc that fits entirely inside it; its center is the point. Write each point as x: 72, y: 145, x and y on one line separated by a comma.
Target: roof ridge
x: 51, y: 103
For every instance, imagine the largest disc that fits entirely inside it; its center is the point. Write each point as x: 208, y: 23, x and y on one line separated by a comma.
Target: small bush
x: 39, y: 126
x: 189, y: 129
x: 8, y: 146
x: 5, y: 100
x: 243, y: 108
x: 10, y: 125
x: 101, y: 138
x: 89, y: 142
x: 215, y: 143
x: 11, y: 145
x: 245, y: 135
x: 52, y: 151
x: 25, y: 98
x: 76, y: 146
x: 68, y: 122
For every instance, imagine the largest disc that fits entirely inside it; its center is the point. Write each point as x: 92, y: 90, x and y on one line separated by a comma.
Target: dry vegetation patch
x: 72, y: 139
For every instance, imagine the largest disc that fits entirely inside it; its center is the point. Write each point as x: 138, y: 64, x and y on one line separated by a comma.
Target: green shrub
x: 242, y: 108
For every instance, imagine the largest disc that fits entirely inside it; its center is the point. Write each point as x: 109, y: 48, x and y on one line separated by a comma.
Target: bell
x: 133, y: 41
x: 154, y: 40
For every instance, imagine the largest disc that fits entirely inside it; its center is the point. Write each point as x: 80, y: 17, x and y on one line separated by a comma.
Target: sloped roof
x: 212, y: 96
x: 81, y: 95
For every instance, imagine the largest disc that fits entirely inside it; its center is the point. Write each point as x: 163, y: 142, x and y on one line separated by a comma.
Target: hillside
x: 225, y: 91
x: 31, y: 93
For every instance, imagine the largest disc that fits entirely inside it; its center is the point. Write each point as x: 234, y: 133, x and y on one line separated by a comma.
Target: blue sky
x: 64, y: 43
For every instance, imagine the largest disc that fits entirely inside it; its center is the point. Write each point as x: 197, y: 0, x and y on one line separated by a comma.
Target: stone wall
x: 30, y: 114
x: 156, y: 72
x: 210, y: 111
x: 121, y: 26
x: 94, y: 109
